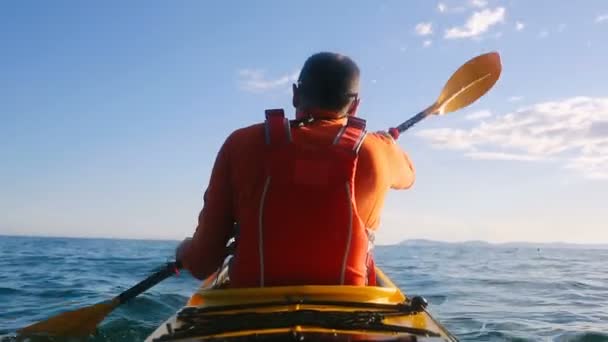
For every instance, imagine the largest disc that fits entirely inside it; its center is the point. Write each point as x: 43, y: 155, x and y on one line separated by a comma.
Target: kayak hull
x: 301, y: 313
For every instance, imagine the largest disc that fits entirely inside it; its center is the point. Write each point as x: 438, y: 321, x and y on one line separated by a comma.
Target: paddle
x: 83, y: 322
x: 470, y: 82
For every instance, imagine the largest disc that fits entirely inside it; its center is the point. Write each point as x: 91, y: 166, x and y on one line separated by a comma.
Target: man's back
x: 298, y: 224
x: 381, y: 166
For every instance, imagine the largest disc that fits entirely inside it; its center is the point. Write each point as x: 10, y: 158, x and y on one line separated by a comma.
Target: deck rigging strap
x: 198, y: 324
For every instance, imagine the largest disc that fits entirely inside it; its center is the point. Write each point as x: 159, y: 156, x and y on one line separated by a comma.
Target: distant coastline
x: 407, y: 242
x: 513, y: 244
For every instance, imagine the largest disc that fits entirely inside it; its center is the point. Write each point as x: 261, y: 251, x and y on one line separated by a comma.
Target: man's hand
x: 386, y: 134
x: 182, y: 248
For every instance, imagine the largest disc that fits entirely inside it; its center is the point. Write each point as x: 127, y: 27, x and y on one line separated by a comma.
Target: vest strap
x: 277, y: 127
x: 351, y: 135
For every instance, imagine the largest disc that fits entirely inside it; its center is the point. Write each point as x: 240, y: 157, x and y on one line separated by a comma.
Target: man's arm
x: 205, y: 253
x: 404, y: 172
x: 401, y: 168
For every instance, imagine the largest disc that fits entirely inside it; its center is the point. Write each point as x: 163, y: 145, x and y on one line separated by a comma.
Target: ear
x: 352, y: 109
x: 295, y: 100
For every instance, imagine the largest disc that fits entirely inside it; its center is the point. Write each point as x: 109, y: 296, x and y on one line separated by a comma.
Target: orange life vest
x: 306, y: 229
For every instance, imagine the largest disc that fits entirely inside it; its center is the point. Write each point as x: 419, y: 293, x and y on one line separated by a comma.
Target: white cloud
x: 481, y: 114
x: 571, y: 131
x: 477, y: 24
x: 543, y: 34
x: 424, y: 29
x: 427, y: 43
x: 478, y: 3
x: 601, y: 18
x: 443, y: 8
x: 519, y: 26
x: 501, y: 156
x: 594, y: 168
x: 515, y: 98
x: 254, y: 80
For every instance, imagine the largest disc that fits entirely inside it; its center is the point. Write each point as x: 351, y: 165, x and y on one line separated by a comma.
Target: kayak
x: 301, y: 313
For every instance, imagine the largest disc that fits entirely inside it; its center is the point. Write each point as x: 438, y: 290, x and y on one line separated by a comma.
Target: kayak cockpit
x: 302, y: 313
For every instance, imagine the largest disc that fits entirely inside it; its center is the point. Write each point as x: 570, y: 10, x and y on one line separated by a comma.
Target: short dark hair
x: 329, y: 80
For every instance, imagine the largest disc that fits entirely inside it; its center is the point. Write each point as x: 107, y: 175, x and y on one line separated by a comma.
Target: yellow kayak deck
x: 302, y: 313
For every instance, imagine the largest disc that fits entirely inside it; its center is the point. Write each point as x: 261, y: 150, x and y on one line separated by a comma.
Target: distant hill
x: 420, y: 242
x: 516, y: 244
x: 554, y: 245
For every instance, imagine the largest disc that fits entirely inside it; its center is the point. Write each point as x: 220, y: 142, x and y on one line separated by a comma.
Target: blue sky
x: 111, y: 113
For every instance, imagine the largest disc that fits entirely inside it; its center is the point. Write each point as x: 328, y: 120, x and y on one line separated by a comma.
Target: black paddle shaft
x: 167, y: 271
x: 395, y: 132
x: 412, y: 121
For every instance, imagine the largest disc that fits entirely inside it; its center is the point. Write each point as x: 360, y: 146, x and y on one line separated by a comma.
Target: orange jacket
x: 305, y: 228
x: 238, y: 179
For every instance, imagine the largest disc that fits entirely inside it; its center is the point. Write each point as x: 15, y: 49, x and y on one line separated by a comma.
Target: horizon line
x: 167, y: 239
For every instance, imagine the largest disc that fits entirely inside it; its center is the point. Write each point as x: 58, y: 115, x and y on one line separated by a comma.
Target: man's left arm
x: 206, y: 251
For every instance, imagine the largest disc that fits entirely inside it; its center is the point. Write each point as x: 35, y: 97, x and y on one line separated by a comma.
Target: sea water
x: 480, y: 292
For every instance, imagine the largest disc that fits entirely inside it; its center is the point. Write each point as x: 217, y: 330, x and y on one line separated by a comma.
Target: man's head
x: 329, y: 82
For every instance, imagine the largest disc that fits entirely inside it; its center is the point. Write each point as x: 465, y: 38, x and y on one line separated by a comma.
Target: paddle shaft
x: 396, y: 131
x: 167, y: 271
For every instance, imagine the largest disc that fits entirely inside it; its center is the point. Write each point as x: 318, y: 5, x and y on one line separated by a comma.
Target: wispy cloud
x: 255, y: 80
x: 601, y: 18
x: 543, y: 34
x: 478, y: 3
x: 501, y: 156
x: 573, y: 131
x: 427, y: 43
x: 443, y: 8
x: 477, y: 24
x: 481, y: 114
x: 515, y: 98
x: 424, y: 29
x: 519, y: 26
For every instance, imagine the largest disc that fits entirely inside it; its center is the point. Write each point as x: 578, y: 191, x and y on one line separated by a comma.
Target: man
x: 306, y: 195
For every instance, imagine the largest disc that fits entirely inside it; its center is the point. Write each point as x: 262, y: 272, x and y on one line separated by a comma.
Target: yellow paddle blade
x: 76, y: 323
x: 470, y: 82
